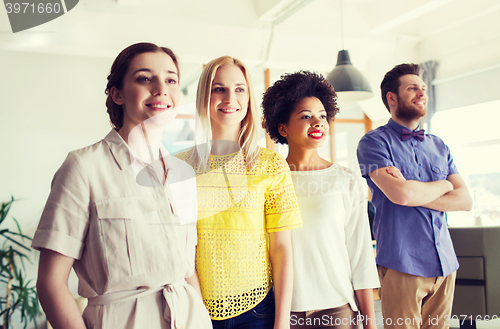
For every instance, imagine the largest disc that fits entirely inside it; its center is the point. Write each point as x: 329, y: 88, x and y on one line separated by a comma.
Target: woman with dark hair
x: 122, y: 213
x: 332, y: 254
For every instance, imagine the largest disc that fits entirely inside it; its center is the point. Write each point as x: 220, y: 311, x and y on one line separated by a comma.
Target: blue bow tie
x: 407, y: 133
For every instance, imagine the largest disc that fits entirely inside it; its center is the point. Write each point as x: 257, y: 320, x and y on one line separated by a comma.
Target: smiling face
x: 229, y: 98
x: 412, y: 98
x: 308, y: 125
x: 150, y: 89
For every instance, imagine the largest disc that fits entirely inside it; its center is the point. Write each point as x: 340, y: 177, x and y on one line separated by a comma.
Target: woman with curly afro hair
x: 334, y: 266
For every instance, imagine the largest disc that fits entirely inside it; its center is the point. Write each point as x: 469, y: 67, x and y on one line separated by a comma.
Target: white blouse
x: 333, y: 254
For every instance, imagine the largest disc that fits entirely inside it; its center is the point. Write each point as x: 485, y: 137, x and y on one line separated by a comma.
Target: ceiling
x: 282, y: 35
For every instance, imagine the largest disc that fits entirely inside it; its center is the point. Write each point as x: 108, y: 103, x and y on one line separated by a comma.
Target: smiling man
x: 413, y: 181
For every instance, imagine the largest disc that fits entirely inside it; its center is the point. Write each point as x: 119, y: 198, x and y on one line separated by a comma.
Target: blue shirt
x: 413, y: 240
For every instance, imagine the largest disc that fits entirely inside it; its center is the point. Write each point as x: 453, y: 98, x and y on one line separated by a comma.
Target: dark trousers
x: 259, y: 317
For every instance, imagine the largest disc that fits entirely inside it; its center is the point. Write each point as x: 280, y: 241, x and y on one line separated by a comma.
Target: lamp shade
x: 349, y: 84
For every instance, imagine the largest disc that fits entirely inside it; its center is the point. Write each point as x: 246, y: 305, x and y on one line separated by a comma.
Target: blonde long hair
x: 248, y: 137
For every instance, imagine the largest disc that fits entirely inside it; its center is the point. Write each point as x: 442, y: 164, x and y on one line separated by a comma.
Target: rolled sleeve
x: 64, y: 222
x: 452, y: 169
x: 372, y: 154
x: 57, y: 241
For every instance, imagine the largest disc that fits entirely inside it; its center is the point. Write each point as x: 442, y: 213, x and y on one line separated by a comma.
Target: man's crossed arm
x: 442, y: 195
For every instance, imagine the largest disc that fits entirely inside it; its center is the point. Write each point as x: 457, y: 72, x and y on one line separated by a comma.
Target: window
x: 473, y: 135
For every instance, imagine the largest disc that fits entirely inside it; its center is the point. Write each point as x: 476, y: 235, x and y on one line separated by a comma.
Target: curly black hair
x: 280, y: 100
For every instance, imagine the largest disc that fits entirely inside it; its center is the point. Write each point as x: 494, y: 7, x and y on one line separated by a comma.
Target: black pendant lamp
x: 348, y: 82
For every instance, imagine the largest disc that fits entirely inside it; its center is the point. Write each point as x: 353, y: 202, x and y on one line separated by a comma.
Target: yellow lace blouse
x: 236, y: 207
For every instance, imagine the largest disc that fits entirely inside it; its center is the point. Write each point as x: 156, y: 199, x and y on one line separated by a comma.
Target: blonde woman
x: 246, y: 206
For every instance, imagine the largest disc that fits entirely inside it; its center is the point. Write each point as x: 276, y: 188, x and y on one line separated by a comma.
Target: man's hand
x: 394, y: 172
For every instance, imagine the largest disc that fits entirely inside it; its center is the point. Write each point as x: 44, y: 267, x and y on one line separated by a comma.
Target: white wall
x: 49, y: 105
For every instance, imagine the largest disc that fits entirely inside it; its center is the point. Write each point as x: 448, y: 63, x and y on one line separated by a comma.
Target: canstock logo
x: 24, y: 14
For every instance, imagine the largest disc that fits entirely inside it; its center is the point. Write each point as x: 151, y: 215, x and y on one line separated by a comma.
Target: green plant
x: 20, y: 294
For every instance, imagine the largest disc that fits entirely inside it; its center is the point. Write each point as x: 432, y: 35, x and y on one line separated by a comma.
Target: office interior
x: 53, y: 76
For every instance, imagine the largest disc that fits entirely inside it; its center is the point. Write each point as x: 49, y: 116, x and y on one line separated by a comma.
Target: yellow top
x: 236, y: 207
